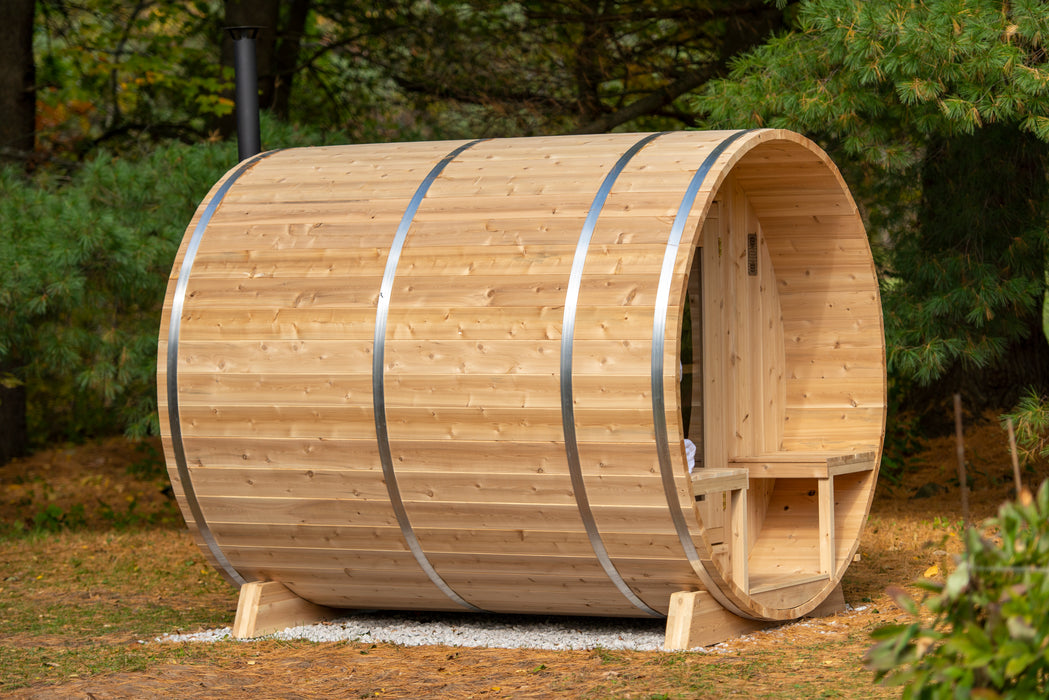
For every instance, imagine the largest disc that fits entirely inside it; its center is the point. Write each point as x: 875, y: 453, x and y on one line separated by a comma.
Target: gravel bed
x: 469, y: 630
x: 495, y: 631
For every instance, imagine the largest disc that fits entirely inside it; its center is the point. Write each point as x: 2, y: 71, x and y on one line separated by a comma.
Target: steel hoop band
x: 174, y: 329
x: 567, y: 397
x: 379, y: 382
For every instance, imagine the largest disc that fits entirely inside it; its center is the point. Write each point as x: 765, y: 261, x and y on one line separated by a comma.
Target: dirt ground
x: 911, y: 532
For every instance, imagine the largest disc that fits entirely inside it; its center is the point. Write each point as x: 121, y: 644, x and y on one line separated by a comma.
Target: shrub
x: 1031, y: 419
x: 86, y: 262
x: 989, y: 634
x: 89, y: 261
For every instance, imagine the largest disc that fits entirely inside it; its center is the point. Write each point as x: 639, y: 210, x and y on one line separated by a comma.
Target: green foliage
x: 408, y: 70
x: 1031, y: 423
x: 938, y: 113
x: 878, y: 76
x: 87, y: 260
x: 52, y: 518
x: 990, y: 623
x: 973, y: 267
x: 902, y: 435
x: 108, y: 68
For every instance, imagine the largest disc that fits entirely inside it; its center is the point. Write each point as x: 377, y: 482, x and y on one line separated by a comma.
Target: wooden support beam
x: 834, y: 604
x: 709, y: 480
x: 826, y: 514
x: 265, y: 607
x: 695, y: 619
x: 738, y: 514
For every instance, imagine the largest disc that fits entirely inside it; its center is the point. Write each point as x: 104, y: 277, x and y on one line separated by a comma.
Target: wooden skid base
x: 265, y: 607
x: 695, y: 619
x: 834, y: 604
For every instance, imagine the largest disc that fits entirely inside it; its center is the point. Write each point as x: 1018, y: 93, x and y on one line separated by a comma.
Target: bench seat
x: 804, y: 465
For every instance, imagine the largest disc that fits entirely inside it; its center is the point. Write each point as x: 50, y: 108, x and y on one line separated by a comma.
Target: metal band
x: 659, y: 325
x: 567, y: 399
x: 174, y: 328
x: 379, y: 382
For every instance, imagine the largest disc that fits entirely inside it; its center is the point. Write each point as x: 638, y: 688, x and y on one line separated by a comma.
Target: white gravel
x: 490, y: 630
x: 469, y: 630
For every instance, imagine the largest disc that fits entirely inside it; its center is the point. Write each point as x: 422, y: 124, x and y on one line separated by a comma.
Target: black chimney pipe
x: 249, y: 141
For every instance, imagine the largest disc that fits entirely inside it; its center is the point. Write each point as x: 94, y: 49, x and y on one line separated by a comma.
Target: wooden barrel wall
x: 447, y: 376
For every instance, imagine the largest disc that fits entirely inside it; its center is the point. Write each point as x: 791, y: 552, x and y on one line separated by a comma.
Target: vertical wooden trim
x: 567, y: 398
x: 382, y: 434
x: 719, y: 295
x: 738, y: 542
x: 825, y: 495
x: 178, y: 301
x: 740, y: 349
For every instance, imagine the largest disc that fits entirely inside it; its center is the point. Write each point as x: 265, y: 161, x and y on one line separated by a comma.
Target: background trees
x: 18, y: 105
x: 133, y: 101
x: 386, y: 69
x: 491, y: 67
x: 938, y: 113
x: 17, y: 80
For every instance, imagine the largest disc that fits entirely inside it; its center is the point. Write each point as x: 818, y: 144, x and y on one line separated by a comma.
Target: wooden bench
x: 804, y: 465
x: 822, y: 466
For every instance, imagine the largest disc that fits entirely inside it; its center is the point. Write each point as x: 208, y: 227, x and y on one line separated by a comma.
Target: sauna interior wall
x: 827, y: 290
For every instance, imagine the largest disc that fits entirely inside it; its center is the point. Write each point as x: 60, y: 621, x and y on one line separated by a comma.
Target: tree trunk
x: 14, y: 435
x: 17, y: 81
x: 17, y: 137
x: 286, y: 58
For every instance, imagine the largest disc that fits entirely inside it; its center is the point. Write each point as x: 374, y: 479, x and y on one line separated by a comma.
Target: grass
x: 76, y: 603
x: 85, y: 591
x: 86, y: 605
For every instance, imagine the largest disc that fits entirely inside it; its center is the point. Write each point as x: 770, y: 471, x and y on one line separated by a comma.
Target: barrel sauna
x: 461, y: 375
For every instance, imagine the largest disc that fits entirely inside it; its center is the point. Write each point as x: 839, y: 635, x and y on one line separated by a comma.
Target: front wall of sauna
x: 275, y: 356
x: 793, y: 357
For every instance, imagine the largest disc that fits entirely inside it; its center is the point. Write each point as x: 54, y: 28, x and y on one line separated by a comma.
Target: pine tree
x: 939, y: 114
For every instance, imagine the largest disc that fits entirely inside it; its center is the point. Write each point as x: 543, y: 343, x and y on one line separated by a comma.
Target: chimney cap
x: 244, y: 32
